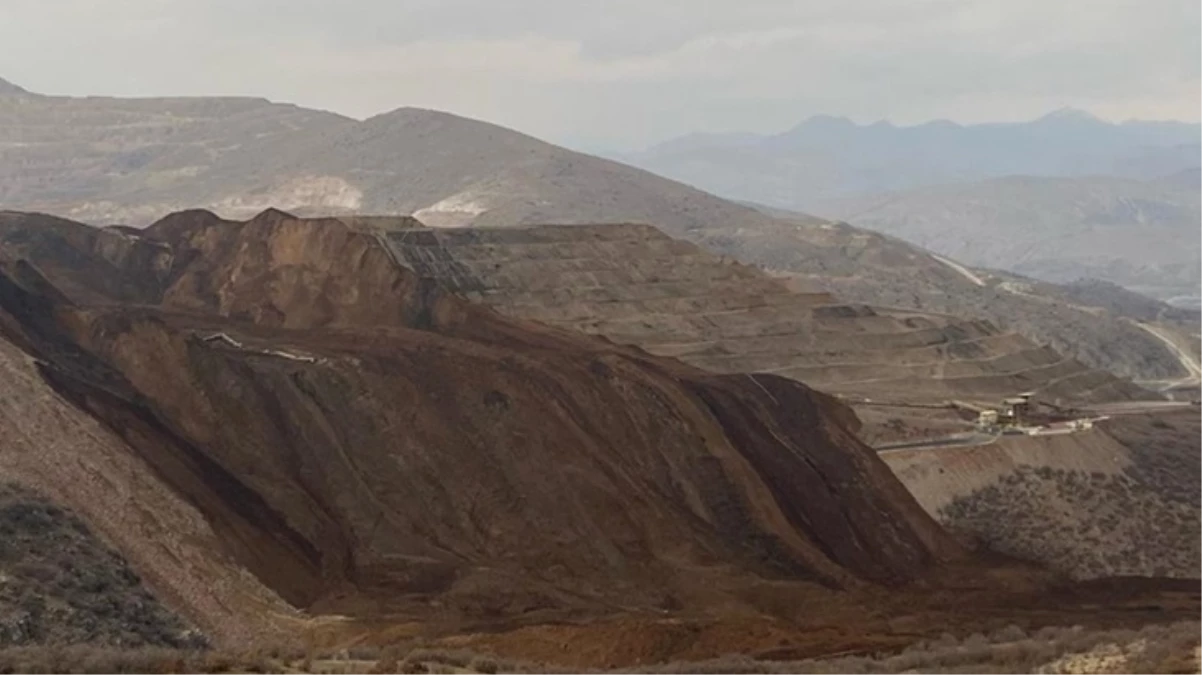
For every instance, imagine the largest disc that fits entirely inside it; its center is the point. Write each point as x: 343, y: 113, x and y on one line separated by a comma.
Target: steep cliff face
x: 362, y: 440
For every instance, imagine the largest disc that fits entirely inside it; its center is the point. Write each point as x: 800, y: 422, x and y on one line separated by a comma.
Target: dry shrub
x: 389, y: 661
x: 458, y: 658
x: 411, y: 665
x: 1155, y: 650
x: 93, y: 659
x: 484, y: 664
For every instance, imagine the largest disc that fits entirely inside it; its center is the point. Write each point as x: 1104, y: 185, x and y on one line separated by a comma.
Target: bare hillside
x: 60, y: 584
x: 108, y: 158
x: 292, y: 435
x: 634, y: 285
x: 364, y: 443
x: 130, y: 160
x: 872, y: 268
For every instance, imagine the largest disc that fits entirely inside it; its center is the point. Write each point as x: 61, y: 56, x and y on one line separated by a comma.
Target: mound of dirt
x: 365, y: 442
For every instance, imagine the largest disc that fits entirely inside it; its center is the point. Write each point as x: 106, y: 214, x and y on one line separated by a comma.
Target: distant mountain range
x: 827, y: 158
x: 1062, y: 197
x: 130, y: 161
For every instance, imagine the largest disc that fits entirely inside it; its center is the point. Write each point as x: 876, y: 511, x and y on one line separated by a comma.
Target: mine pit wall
x: 1077, y: 502
x: 635, y: 285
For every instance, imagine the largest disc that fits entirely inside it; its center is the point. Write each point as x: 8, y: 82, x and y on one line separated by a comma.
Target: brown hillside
x: 360, y: 439
x: 635, y: 285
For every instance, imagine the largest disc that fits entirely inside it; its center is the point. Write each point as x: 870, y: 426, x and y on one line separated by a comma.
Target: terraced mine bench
x: 635, y: 285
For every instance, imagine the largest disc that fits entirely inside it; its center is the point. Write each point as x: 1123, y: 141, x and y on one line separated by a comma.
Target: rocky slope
x: 131, y: 160
x: 362, y: 441
x: 95, y: 152
x: 868, y: 267
x: 75, y: 462
x: 239, y: 156
x: 634, y: 285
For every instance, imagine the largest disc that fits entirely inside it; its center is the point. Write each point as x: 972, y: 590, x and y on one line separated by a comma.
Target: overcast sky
x: 622, y: 73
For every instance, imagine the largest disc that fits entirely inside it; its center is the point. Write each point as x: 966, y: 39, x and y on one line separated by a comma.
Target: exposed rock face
x: 359, y: 438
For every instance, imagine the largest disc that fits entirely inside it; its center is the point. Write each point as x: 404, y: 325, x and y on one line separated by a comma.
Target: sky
x: 621, y: 74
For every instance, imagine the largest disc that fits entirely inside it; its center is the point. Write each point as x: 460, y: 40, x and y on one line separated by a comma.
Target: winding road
x: 1188, y: 361
x: 964, y: 271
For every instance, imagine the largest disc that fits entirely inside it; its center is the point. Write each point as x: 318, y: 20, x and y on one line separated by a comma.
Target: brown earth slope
x: 361, y: 440
x: 288, y: 433
x: 635, y: 285
x: 55, y: 449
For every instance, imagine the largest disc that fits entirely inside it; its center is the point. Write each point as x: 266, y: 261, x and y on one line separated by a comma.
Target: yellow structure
x: 987, y: 419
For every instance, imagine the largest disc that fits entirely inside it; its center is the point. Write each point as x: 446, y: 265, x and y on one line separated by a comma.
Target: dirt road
x: 1188, y: 360
x: 964, y: 271
x: 959, y: 440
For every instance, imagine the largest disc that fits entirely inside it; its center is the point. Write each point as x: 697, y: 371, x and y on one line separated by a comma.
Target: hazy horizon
x: 683, y: 133
x: 626, y: 74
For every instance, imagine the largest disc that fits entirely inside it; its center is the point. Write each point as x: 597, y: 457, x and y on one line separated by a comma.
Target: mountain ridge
x: 783, y: 169
x: 107, y: 161
x: 10, y: 89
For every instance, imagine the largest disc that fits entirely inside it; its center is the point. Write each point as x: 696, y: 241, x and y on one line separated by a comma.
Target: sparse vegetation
x: 1168, y: 648
x: 1141, y: 521
x: 58, y: 583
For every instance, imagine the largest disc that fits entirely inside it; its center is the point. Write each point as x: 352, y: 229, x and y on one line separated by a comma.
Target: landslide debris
x: 367, y: 443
